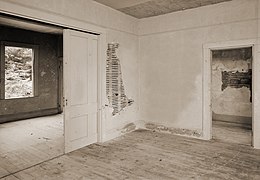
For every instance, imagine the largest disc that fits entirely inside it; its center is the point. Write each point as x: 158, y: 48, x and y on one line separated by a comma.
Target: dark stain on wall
x: 48, y: 101
x: 115, y: 89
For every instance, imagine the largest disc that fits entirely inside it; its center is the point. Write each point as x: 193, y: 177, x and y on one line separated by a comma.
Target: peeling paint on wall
x: 43, y: 73
x: 128, y: 128
x: 115, y: 89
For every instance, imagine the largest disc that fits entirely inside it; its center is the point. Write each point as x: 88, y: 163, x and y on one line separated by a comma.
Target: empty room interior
x: 129, y: 89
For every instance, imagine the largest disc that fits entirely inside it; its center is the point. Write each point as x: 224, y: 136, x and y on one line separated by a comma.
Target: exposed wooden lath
x: 114, y: 84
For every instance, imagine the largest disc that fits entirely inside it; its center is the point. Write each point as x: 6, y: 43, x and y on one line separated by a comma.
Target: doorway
x: 231, y: 95
x: 30, y: 73
x: 70, y: 88
x: 31, y: 119
x: 207, y: 95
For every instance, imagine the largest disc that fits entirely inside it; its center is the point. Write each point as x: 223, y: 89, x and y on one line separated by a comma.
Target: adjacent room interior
x: 140, y: 89
x: 232, y: 95
x: 31, y: 93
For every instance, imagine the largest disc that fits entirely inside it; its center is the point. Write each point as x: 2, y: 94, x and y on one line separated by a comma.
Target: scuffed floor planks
x: 232, y: 132
x: 29, y: 142
x: 151, y: 155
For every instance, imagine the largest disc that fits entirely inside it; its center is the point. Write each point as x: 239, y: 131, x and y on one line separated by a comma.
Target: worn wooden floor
x: 29, y: 142
x: 150, y: 155
x: 232, y: 132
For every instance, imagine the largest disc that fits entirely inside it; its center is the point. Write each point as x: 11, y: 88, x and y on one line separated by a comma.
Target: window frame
x: 35, y: 51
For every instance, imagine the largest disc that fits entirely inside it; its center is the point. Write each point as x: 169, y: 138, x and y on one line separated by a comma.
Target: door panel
x: 80, y: 87
x: 79, y: 64
x: 92, y: 93
x: 78, y: 126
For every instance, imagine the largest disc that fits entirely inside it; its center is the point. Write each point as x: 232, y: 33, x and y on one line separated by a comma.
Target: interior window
x: 19, y: 81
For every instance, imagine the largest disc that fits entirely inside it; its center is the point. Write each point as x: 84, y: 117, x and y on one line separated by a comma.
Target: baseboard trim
x: 28, y: 115
x: 176, y: 131
x: 232, y: 119
x: 124, y: 129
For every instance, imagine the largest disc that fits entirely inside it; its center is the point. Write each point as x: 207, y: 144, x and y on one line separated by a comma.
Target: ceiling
x: 148, y: 8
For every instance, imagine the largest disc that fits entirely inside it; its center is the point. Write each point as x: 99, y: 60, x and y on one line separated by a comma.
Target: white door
x: 80, y: 89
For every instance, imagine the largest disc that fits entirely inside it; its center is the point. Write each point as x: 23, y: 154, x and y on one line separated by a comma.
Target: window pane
x: 18, y: 72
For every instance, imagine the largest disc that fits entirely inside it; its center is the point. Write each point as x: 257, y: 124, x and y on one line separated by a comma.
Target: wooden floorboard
x: 29, y: 142
x: 232, y: 132
x: 151, y: 155
x: 11, y: 177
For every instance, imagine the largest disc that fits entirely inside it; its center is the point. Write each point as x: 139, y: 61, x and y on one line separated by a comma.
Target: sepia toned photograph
x: 130, y: 89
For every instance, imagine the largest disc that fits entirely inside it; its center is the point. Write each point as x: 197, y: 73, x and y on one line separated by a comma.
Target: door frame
x: 20, y: 11
x: 207, y: 102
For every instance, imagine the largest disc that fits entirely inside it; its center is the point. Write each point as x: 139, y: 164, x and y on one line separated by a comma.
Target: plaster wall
x: 128, y: 57
x: 115, y: 27
x: 171, y: 58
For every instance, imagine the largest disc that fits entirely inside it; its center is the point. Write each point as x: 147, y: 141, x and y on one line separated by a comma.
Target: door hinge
x: 65, y: 102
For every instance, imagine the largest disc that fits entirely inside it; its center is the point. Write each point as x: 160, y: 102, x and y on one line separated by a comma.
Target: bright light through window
x: 18, y: 72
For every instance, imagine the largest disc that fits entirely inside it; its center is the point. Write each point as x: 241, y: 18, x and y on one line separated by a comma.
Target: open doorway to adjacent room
x: 231, y: 95
x: 31, y: 91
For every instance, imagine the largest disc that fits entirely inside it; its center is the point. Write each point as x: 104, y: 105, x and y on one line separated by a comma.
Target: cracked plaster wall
x: 115, y: 88
x: 127, y: 53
